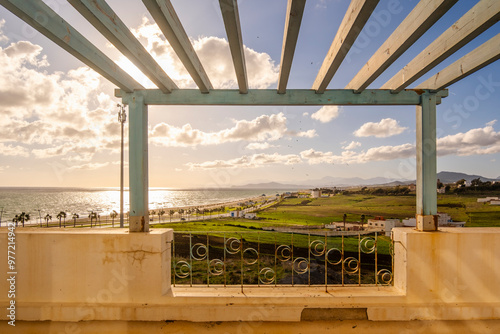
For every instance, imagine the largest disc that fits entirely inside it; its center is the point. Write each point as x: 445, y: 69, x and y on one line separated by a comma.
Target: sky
x: 59, y: 127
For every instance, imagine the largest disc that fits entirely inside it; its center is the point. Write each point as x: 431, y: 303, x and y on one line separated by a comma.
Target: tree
x: 461, y: 182
x: 161, y: 212
x: 15, y: 219
x: 92, y: 216
x: 181, y: 211
x: 47, y: 218
x: 152, y: 213
x: 171, y: 213
x: 60, y: 216
x: 75, y: 217
x: 113, y: 215
x: 476, y: 182
x: 344, y: 217
x: 363, y: 221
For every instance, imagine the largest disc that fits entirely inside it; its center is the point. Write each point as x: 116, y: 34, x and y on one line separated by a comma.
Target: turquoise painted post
x: 138, y: 165
x: 426, y: 164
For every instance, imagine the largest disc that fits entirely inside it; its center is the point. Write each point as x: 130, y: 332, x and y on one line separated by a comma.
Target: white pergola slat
x: 420, y: 19
x: 41, y: 17
x: 475, y: 60
x: 104, y: 19
x: 231, y: 17
x: 165, y: 16
x: 357, y: 15
x: 294, y: 11
x: 482, y: 16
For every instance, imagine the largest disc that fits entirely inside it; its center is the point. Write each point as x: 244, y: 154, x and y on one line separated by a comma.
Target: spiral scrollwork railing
x: 297, y: 259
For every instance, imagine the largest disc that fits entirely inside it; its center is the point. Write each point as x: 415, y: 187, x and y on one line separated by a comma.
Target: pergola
x: 394, y: 92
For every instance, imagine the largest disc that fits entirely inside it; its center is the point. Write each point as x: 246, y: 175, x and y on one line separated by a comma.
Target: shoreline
x: 106, y: 218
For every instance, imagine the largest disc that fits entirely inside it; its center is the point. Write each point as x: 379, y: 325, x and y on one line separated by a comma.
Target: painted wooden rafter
x: 420, y: 19
x: 231, y: 17
x: 479, y: 18
x: 357, y: 14
x: 41, y: 17
x: 165, y: 16
x: 104, y: 19
x: 475, y: 60
x: 294, y: 12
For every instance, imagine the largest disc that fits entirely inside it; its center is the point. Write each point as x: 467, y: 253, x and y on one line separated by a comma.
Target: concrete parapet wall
x: 111, y: 275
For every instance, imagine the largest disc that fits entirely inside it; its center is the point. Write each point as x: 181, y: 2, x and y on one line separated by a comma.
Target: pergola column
x: 138, y: 165
x: 426, y: 164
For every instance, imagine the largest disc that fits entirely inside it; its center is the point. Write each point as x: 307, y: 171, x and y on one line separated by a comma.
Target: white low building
x: 383, y: 225
x: 250, y: 215
x: 316, y: 193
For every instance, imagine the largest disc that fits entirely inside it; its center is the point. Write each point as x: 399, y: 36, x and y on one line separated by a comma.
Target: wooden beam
x: 231, y: 17
x: 482, y: 16
x: 294, y: 12
x: 165, y: 16
x: 41, y: 17
x: 138, y: 165
x: 269, y: 97
x: 420, y: 19
x: 358, y: 13
x: 475, y: 60
x: 426, y: 162
x: 105, y: 20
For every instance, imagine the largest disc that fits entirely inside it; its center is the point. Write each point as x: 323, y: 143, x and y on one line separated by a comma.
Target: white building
x: 235, y: 214
x: 250, y: 215
x: 316, y: 193
x: 383, y: 225
x: 444, y: 219
x: 487, y: 199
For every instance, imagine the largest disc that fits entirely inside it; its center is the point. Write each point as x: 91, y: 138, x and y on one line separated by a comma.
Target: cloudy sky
x: 58, y: 123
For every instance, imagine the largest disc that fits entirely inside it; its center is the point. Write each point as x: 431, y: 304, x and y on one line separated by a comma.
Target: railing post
x: 426, y: 164
x: 138, y: 165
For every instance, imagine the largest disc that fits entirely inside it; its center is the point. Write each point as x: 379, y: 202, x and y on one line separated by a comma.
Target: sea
x: 41, y: 201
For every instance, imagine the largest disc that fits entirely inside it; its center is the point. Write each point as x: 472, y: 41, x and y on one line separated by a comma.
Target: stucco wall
x: 70, y: 275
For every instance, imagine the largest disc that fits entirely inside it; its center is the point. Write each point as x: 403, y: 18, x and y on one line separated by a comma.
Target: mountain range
x: 331, y: 181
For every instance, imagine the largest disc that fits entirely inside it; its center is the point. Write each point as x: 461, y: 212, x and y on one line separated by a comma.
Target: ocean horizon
x: 39, y: 201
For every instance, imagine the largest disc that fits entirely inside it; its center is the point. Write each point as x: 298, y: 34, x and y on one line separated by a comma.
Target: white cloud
x: 379, y: 153
x: 214, y: 55
x: 253, y: 161
x: 53, y: 114
x: 262, y: 128
x: 259, y: 146
x: 473, y: 142
x: 304, y: 134
x: 387, y: 127
x: 352, y: 145
x: 12, y: 150
x: 89, y: 166
x: 326, y: 114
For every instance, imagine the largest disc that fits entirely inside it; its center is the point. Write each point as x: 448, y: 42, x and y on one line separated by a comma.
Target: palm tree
x: 181, y: 211
x: 171, y: 213
x: 152, y: 213
x: 113, y: 215
x: 15, y: 219
x: 21, y: 218
x: 93, y: 216
x: 363, y: 222
x: 75, y: 217
x: 60, y: 216
x: 161, y: 212
x: 47, y: 218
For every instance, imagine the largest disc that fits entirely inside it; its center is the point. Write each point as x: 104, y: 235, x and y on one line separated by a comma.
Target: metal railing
x: 265, y: 258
